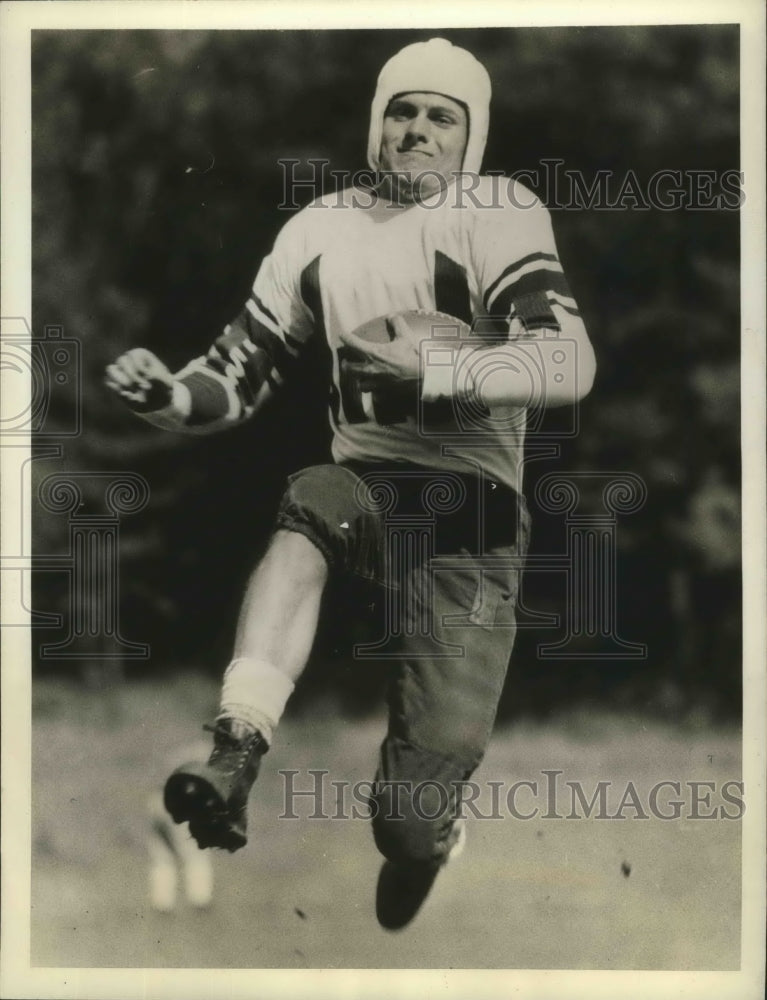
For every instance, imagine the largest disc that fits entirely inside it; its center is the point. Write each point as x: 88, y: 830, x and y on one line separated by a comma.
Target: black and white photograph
x: 383, y: 500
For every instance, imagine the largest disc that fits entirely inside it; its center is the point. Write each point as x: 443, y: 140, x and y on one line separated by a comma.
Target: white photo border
x: 17, y: 20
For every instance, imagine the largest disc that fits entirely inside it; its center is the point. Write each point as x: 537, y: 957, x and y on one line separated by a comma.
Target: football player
x: 428, y: 433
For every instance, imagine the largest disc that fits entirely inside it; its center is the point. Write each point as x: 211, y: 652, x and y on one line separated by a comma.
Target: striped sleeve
x: 522, y: 284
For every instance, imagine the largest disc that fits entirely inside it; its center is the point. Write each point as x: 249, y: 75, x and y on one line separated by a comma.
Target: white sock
x: 255, y: 692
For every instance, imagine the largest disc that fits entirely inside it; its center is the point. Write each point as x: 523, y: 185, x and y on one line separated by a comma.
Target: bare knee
x: 297, y: 556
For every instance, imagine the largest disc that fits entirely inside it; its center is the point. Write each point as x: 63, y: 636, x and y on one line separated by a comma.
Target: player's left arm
x: 552, y: 365
x: 530, y: 347
x: 537, y: 351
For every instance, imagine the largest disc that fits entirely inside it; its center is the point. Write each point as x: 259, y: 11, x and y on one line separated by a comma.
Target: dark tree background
x: 156, y: 186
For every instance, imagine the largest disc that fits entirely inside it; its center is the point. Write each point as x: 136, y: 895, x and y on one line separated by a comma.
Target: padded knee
x: 321, y: 503
x: 414, y: 801
x: 412, y: 823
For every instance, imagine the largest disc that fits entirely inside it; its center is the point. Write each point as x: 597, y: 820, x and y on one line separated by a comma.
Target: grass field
x: 536, y: 894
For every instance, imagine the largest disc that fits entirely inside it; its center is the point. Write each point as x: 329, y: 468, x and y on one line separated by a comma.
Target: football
x: 394, y: 406
x: 421, y: 324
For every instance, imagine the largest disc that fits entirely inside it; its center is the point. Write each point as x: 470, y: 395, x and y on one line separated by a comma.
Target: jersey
x: 486, y: 256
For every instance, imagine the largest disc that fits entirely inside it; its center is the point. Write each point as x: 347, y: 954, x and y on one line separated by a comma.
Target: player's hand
x: 141, y: 380
x: 383, y: 366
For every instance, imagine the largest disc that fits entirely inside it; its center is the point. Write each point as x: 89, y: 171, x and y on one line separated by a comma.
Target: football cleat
x: 403, y: 887
x: 213, y: 797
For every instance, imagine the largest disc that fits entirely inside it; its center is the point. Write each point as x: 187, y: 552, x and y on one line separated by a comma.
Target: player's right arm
x: 243, y: 367
x: 222, y: 388
x: 141, y: 380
